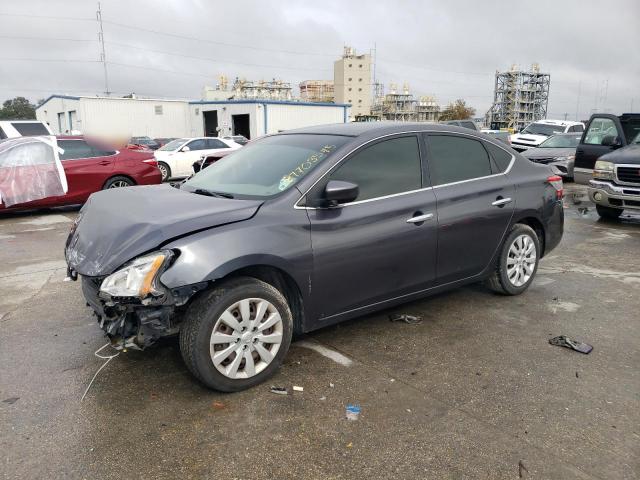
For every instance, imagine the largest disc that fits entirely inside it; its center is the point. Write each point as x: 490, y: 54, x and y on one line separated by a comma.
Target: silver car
x: 559, y: 151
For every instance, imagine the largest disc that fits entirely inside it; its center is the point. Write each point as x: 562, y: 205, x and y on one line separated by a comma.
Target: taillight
x: 556, y: 183
x: 152, y: 161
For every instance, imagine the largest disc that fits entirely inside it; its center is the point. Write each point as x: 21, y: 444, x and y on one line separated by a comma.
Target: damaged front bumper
x: 133, y: 323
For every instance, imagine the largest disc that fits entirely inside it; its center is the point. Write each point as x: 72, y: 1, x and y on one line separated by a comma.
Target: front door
x: 475, y: 204
x: 373, y: 249
x: 186, y: 159
x: 87, y: 168
x: 591, y: 148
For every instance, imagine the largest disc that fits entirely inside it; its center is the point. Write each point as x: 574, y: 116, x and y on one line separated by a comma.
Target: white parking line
x: 327, y: 352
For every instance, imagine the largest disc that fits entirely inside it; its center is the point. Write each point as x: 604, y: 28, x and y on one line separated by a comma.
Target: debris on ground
x: 583, y: 211
x: 280, y: 390
x: 218, y: 405
x: 298, y: 389
x: 108, y: 358
x: 577, y: 376
x: 521, y: 468
x: 11, y: 400
x: 564, y: 341
x: 352, y: 412
x: 331, y: 385
x: 403, y: 317
x: 350, y: 444
x: 323, y: 398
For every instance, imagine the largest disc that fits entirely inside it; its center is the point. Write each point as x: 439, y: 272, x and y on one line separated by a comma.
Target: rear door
x: 382, y: 245
x: 475, y: 201
x: 591, y: 148
x: 87, y: 168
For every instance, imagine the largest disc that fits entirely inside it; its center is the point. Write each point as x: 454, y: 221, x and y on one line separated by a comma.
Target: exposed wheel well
x: 284, y: 283
x: 537, y: 227
x: 119, y: 175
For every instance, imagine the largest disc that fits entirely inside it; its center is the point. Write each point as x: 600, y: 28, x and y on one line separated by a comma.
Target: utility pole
x: 578, y: 101
x: 103, y: 55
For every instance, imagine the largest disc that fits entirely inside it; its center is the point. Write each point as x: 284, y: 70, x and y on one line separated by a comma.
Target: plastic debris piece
x: 323, y: 398
x: 331, y: 385
x: 298, y: 389
x: 280, y: 390
x: 350, y: 444
x: 352, y: 412
x: 11, y: 400
x: 403, y: 317
x: 218, y: 405
x: 564, y: 341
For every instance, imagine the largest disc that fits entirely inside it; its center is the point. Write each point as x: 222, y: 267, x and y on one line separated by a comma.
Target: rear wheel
x: 517, y: 263
x: 236, y: 335
x: 118, y: 182
x: 608, y: 212
x: 165, y: 171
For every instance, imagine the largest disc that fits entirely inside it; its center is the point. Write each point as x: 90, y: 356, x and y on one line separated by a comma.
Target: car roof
x: 356, y: 129
x: 557, y: 122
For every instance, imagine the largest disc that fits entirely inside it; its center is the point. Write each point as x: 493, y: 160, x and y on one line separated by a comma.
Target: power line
x: 48, y: 17
x: 52, y: 60
x: 209, y: 59
x: 47, y: 39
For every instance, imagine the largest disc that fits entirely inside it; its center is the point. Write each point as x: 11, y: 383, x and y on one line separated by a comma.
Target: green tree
x: 457, y: 110
x: 18, y: 108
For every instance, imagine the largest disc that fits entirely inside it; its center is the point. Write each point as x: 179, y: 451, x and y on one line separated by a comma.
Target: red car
x: 90, y: 166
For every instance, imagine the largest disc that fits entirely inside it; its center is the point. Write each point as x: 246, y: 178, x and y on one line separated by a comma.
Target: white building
x: 127, y: 117
x: 352, y: 81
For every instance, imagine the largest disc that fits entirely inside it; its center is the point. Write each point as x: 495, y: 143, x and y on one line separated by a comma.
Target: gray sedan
x: 559, y: 151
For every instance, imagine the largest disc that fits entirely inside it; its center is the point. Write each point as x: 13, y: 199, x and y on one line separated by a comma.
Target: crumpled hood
x: 117, y: 225
x: 548, y: 152
x: 629, y: 154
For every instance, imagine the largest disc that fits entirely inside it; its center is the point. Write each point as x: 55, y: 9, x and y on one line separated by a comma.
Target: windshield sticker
x: 305, y: 166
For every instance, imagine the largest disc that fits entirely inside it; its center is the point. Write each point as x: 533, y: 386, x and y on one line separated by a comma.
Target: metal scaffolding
x: 519, y: 98
x: 317, y: 91
x: 273, y: 90
x: 403, y: 107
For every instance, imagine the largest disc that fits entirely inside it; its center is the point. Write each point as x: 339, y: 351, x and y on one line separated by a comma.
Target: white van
x: 537, y: 132
x: 23, y: 128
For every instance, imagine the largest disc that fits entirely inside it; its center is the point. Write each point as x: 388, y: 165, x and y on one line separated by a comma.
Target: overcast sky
x: 450, y: 49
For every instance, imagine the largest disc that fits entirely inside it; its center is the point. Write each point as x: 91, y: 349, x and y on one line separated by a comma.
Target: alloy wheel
x: 246, y: 338
x: 119, y: 184
x: 163, y: 172
x: 521, y: 260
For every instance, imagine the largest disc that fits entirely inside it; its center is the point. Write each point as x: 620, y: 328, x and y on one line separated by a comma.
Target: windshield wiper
x: 210, y: 193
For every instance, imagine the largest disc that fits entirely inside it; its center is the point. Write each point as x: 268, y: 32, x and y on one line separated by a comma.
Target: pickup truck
x: 615, y: 186
x: 604, y: 134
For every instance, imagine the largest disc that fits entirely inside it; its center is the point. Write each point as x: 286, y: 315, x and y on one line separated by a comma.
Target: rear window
x: 501, y: 158
x: 28, y: 129
x: 454, y: 159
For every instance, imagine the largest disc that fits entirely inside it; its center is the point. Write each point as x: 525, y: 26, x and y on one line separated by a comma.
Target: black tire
x: 609, y: 213
x: 117, y: 182
x: 499, y: 280
x: 201, y: 318
x: 165, y: 171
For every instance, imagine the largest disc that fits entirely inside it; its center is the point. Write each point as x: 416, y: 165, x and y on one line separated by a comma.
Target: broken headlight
x: 138, y: 278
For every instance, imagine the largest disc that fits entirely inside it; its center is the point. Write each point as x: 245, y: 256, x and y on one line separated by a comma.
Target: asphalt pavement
x: 473, y: 391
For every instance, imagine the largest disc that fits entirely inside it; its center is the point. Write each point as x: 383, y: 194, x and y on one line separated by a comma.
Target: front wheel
x: 518, y: 261
x: 236, y: 335
x: 608, y: 212
x: 165, y: 171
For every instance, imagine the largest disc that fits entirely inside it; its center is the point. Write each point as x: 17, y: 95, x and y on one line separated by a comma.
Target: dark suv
x: 604, y: 133
x: 306, y: 228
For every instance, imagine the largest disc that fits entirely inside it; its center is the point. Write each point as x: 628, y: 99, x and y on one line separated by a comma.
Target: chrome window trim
x: 384, y: 197
x: 628, y: 165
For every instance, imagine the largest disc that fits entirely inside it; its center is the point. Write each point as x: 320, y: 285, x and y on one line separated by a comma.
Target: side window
x: 598, y: 129
x: 2, y: 134
x: 571, y: 129
x: 197, y: 145
x: 215, y: 143
x: 453, y: 159
x: 501, y: 158
x: 388, y: 167
x: 578, y: 128
x: 75, y: 149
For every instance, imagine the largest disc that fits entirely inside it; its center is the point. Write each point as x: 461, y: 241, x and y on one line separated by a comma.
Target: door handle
x: 104, y: 162
x: 420, y: 218
x: 501, y: 202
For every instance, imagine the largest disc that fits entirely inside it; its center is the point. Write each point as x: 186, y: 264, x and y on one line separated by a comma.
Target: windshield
x: 543, y: 129
x: 266, y: 167
x: 174, y: 144
x: 561, y: 141
x: 637, y: 139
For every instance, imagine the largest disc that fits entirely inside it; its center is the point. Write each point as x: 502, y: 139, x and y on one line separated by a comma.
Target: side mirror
x: 337, y: 192
x: 611, y: 141
x: 185, y: 149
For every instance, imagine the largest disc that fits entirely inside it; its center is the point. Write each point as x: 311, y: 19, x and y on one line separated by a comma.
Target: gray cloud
x: 446, y: 49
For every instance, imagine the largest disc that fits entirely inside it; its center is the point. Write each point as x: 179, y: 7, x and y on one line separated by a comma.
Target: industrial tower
x: 519, y: 98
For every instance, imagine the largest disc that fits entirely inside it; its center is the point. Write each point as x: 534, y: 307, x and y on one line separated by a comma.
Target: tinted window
x: 197, y: 145
x: 2, y: 134
x: 215, y: 143
x: 28, y: 129
x: 388, y: 167
x: 453, y: 159
x: 598, y: 129
x: 501, y: 158
x: 578, y: 128
x: 74, y: 149
x: 469, y: 125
